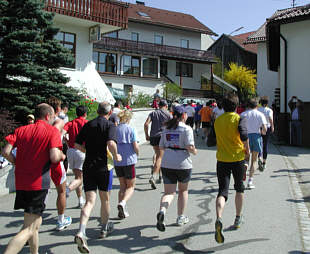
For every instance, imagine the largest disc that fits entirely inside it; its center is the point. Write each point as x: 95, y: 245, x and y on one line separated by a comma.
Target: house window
x: 163, y: 67
x: 159, y: 39
x: 131, y: 65
x: 184, y: 43
x: 105, y: 62
x: 184, y: 69
x: 134, y: 36
x: 111, y: 35
x: 108, y: 84
x: 68, y: 40
x: 150, y: 67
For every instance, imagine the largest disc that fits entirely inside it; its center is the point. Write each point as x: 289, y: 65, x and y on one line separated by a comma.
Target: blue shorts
x: 255, y: 141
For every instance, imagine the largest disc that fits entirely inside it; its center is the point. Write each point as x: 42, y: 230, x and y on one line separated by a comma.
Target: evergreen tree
x: 30, y: 58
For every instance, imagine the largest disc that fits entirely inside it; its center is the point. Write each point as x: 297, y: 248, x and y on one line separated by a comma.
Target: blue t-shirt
x: 197, y: 116
x: 126, y: 135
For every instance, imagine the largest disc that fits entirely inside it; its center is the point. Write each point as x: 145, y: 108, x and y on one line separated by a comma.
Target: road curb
x: 302, y: 210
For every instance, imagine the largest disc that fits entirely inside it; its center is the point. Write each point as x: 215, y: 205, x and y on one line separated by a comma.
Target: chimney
x: 140, y: 2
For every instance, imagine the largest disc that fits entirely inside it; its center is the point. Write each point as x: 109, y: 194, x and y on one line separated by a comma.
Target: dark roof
x: 166, y: 18
x: 260, y: 34
x: 241, y: 38
x: 291, y: 15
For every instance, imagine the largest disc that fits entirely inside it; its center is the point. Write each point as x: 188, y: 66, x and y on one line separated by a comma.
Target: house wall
x: 84, y: 49
x: 267, y: 80
x: 206, y: 41
x: 298, y: 41
x: 172, y: 37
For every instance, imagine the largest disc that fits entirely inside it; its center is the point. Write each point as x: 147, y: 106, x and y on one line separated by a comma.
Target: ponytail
x: 174, y: 122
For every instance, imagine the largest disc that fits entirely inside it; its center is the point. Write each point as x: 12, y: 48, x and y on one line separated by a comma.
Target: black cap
x: 163, y: 103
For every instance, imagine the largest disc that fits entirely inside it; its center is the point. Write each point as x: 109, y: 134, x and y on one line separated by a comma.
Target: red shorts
x: 58, y: 173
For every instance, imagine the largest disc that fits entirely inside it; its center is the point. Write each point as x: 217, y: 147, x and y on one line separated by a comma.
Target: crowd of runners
x: 94, y: 149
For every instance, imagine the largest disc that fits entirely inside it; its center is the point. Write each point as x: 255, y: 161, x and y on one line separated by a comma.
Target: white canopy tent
x: 90, y: 82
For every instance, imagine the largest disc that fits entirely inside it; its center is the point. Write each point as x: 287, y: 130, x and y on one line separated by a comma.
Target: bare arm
x: 264, y: 129
x: 113, y: 149
x: 56, y: 155
x: 246, y: 149
x: 80, y: 147
x: 271, y: 124
x: 191, y: 149
x: 146, y: 128
x: 136, y: 147
x: 7, y: 153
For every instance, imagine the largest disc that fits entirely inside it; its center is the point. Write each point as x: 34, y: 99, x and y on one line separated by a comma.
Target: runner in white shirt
x: 190, y: 110
x: 270, y: 128
x: 257, y: 126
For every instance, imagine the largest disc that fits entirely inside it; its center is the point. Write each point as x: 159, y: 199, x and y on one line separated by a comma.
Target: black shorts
x: 205, y: 124
x: 172, y: 176
x: 32, y: 202
x: 97, y: 179
x: 128, y: 172
x: 154, y: 141
x: 224, y: 170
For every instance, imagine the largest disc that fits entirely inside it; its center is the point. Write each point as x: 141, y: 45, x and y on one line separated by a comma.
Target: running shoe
x: 264, y: 166
x: 107, y: 230
x: 251, y: 185
x: 161, y: 226
x: 80, y: 240
x: 152, y: 183
x: 122, y: 211
x: 219, y: 237
x: 260, y: 165
x: 62, y: 225
x: 238, y: 221
x: 182, y: 220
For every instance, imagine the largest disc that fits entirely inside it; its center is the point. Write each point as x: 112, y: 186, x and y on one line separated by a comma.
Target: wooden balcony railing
x: 102, y: 11
x: 152, y: 49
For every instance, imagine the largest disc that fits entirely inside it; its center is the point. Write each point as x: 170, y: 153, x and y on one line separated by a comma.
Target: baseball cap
x: 179, y: 110
x: 162, y: 103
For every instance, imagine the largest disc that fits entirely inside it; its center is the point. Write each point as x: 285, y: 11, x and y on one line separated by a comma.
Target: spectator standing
x: 270, y: 129
x: 38, y: 145
x: 296, y: 107
x: 75, y: 157
x: 30, y: 119
x: 94, y: 138
x: 128, y: 148
x: 157, y: 119
x: 176, y: 144
x: 116, y: 110
x: 218, y: 110
x: 232, y: 148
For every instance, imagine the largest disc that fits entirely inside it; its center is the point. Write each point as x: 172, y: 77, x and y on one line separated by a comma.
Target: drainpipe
x: 285, y: 72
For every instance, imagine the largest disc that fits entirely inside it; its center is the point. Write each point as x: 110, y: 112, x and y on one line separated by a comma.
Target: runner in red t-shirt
x: 75, y: 157
x: 37, y: 145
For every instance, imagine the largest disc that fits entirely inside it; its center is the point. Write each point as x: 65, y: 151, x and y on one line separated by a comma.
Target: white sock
x: 81, y: 199
x: 163, y: 210
x: 83, y: 229
x: 123, y: 203
x: 61, y: 218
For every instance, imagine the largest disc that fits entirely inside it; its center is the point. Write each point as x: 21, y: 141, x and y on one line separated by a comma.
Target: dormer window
x: 143, y: 14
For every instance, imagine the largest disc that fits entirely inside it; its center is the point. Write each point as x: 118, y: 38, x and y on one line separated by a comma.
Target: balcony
x: 99, y: 11
x: 151, y: 49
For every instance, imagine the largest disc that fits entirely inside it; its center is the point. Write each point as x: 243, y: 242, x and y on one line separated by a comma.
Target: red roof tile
x: 241, y: 39
x: 166, y: 18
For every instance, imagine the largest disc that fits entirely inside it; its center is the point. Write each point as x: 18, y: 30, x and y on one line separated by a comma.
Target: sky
x: 225, y: 16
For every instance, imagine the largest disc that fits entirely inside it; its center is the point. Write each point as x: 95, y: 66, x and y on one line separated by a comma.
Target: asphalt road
x: 271, y: 223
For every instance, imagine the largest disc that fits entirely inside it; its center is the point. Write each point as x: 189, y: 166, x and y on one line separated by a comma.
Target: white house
x: 82, y: 21
x: 159, y: 46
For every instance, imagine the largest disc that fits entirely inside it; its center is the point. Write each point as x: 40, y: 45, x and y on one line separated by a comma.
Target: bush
x: 172, y: 91
x: 91, y: 104
x: 142, y: 100
x: 7, y: 125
